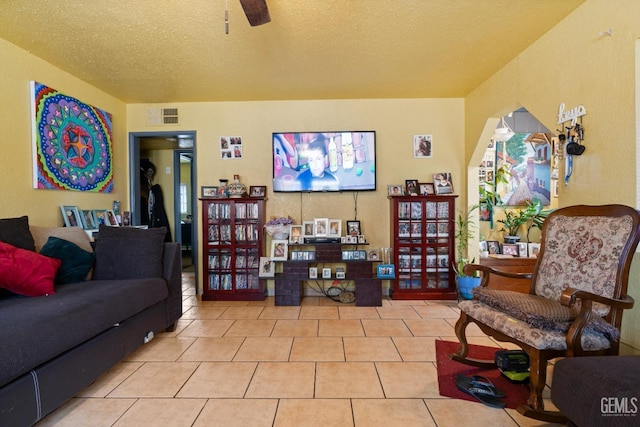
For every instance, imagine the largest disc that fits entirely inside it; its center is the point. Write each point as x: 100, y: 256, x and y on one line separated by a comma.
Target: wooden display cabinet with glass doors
x: 422, y: 236
x: 232, y: 246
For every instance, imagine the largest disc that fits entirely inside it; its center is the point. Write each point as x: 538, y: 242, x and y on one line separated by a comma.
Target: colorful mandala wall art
x: 72, y: 143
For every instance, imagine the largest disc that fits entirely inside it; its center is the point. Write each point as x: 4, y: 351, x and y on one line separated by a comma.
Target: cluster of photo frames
x: 442, y: 184
x: 326, y: 227
x: 90, y: 219
x: 520, y: 249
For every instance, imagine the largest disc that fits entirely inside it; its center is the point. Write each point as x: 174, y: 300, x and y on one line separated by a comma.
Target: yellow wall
x: 574, y: 63
x: 395, y: 122
x: 17, y: 69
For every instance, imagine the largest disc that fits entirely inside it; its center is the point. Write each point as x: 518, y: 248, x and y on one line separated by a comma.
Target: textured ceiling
x: 177, y: 51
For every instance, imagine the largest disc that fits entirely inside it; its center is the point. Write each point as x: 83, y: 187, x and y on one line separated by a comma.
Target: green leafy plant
x: 532, y: 215
x: 464, y: 228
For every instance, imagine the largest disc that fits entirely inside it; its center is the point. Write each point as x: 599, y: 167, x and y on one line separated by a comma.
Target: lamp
x: 502, y: 133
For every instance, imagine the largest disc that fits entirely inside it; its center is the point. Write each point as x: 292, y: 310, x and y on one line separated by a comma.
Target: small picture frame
x: 257, y: 190
x: 71, y: 216
x: 523, y: 251
x: 88, y: 221
x: 373, y: 255
x: 412, y: 188
x: 353, y: 228
x: 395, y: 190
x: 534, y: 250
x: 361, y: 239
x: 340, y: 274
x: 386, y: 271
x: 113, y: 220
x: 326, y: 273
x: 510, y: 249
x: 101, y: 217
x: 335, y: 227
x: 295, y: 234
x: 267, y: 267
x: 321, y: 227
x: 493, y: 246
x: 307, y: 229
x: 426, y: 189
x: 279, y: 250
x: 313, y: 272
x: 422, y: 146
x: 209, y: 192
x: 443, y: 183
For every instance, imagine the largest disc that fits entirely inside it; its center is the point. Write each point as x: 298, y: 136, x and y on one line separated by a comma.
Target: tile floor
x: 255, y: 364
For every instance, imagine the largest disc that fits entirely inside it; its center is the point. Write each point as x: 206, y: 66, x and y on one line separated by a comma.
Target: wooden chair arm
x: 486, y: 271
x: 569, y: 296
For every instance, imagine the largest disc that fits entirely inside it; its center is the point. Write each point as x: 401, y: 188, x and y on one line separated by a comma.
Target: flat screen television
x: 324, y: 161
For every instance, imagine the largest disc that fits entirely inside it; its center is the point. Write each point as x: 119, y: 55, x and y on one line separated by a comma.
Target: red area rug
x: 517, y: 394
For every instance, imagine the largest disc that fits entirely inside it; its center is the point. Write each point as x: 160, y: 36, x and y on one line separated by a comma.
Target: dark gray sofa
x: 53, y: 346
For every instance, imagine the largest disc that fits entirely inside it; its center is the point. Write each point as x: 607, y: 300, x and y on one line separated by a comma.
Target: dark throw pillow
x: 76, y: 262
x: 25, y: 272
x: 15, y: 231
x: 128, y: 253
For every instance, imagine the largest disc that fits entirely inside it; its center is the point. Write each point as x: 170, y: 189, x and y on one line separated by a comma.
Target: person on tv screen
x: 316, y: 177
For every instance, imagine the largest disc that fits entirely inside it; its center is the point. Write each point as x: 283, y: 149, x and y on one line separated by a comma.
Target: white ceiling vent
x: 162, y: 116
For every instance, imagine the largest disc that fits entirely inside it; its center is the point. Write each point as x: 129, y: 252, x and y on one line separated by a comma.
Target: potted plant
x: 511, y: 223
x: 464, y: 228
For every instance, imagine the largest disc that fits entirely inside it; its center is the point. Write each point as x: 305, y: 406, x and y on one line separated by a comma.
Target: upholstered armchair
x: 576, y: 298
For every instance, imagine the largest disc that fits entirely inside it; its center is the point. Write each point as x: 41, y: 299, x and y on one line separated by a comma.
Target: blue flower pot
x: 466, y: 284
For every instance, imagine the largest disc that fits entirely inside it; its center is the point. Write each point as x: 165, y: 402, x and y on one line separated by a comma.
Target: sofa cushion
x: 72, y: 234
x: 15, y: 231
x: 117, y: 246
x: 76, y: 262
x: 26, y: 272
x: 44, y: 327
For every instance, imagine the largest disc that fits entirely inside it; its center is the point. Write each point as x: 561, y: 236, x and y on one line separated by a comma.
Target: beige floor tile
x: 156, y: 379
x: 215, y: 349
x: 110, y: 380
x: 369, y: 349
x: 472, y: 329
x: 161, y: 350
x: 219, y: 380
x: 317, y: 349
x: 408, y: 379
x: 295, y: 328
x: 248, y: 312
x: 314, y: 413
x: 391, y: 412
x: 182, y: 323
x: 463, y: 413
x: 76, y: 412
x: 206, y: 328
x: 163, y: 412
x: 238, y: 412
x: 523, y: 421
x: 436, y: 311
x: 203, y: 312
x: 398, y: 312
x: 351, y: 312
x: 283, y: 380
x: 319, y: 312
x: 416, y: 349
x: 251, y: 328
x: 400, y: 302
x: 264, y: 349
x: 429, y: 327
x: 231, y: 303
x: 347, y: 380
x: 280, y: 312
x: 385, y: 328
x: 340, y: 328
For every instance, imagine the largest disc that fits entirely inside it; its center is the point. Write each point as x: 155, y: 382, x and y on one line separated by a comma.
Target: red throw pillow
x: 25, y: 272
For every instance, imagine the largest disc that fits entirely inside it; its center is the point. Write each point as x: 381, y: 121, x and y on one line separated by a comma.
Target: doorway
x: 173, y: 156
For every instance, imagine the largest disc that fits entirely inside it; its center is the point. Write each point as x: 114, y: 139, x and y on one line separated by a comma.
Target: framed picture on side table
x: 321, y: 226
x: 335, y: 227
x: 71, y: 216
x: 353, y: 228
x: 257, y: 191
x: 88, y: 221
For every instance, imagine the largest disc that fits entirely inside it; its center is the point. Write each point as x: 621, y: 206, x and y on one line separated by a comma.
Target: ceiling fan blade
x: 256, y: 11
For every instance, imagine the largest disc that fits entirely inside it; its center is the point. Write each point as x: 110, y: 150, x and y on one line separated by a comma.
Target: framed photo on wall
x: 422, y: 146
x: 257, y: 191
